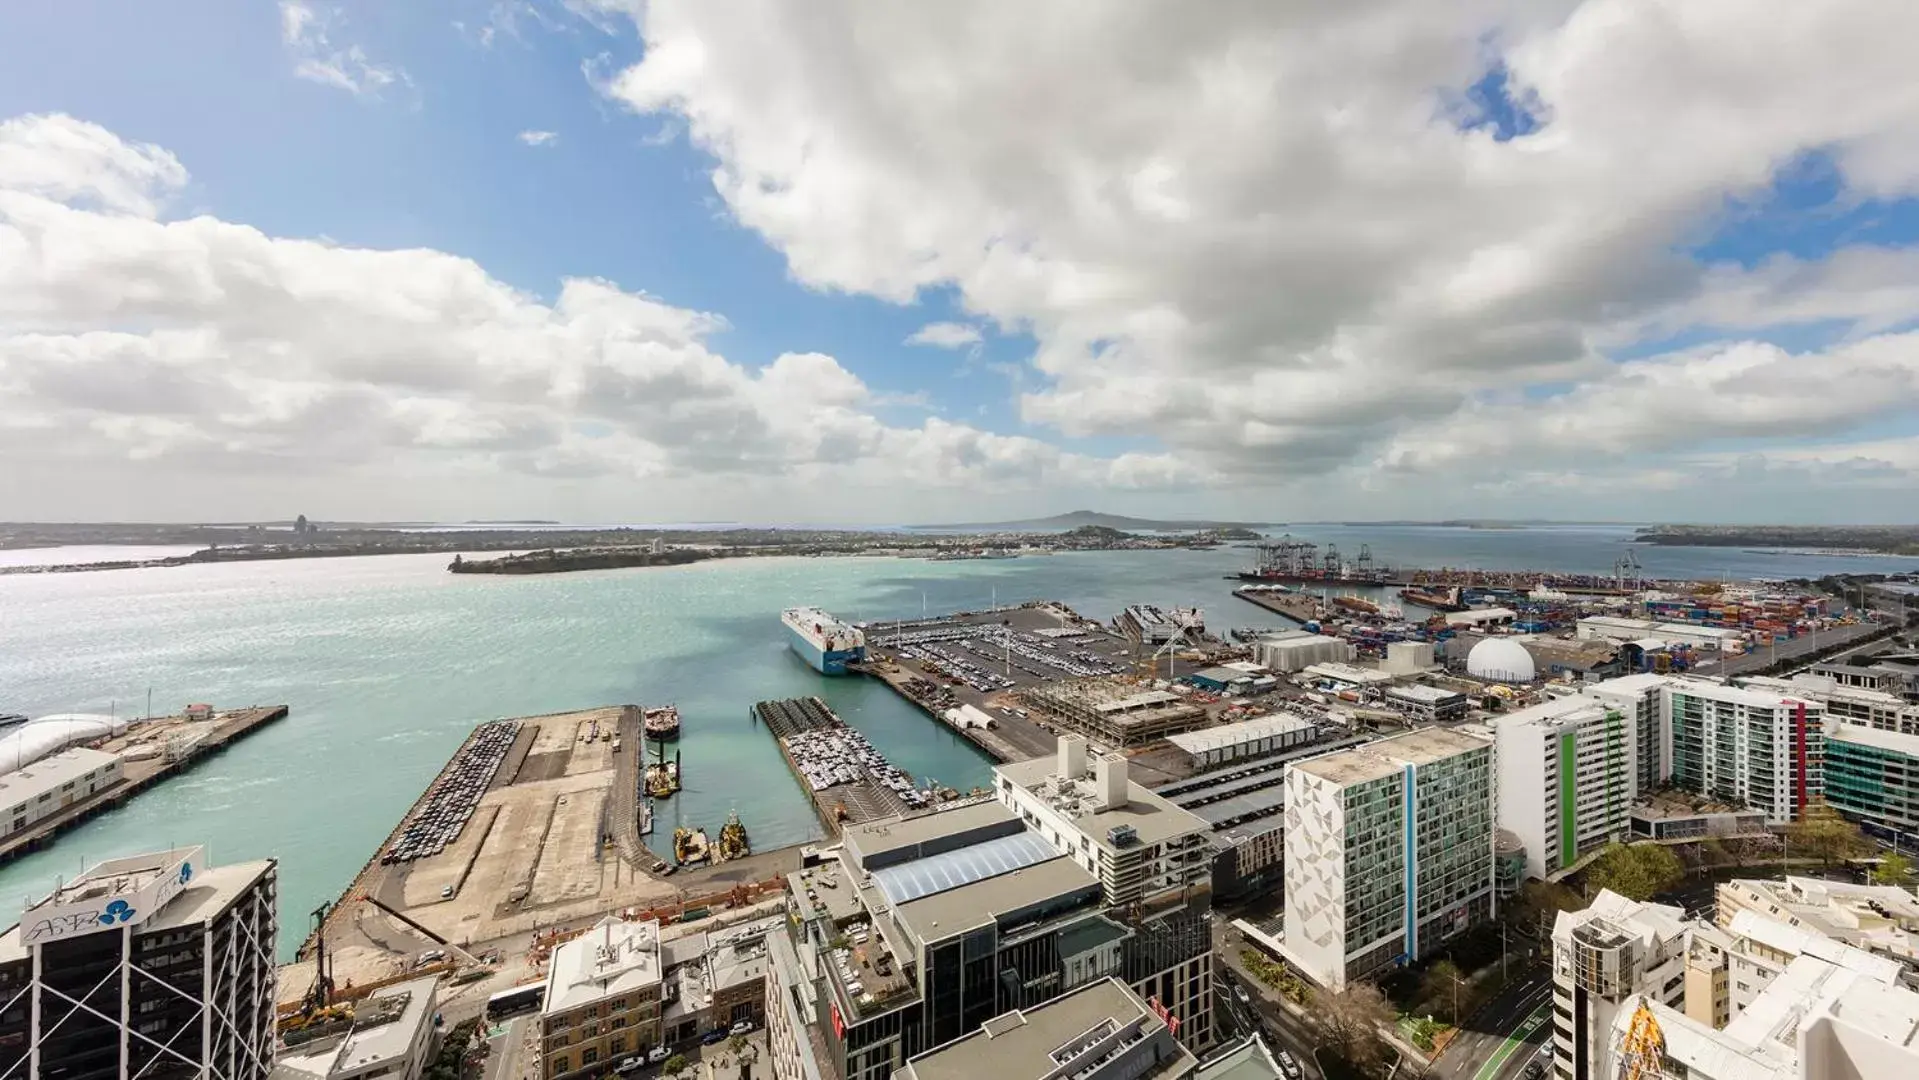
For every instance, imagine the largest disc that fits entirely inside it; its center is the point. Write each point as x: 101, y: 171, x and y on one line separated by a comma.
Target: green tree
x: 1822, y: 832
x: 1350, y: 1022
x: 1442, y: 985
x: 1635, y: 871
x: 677, y: 1065
x: 1893, y: 869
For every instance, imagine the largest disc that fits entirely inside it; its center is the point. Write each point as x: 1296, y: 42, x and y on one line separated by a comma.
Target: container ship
x: 823, y: 641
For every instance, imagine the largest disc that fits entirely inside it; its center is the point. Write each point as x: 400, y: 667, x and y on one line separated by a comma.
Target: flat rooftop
x: 212, y: 891
x: 1150, y: 815
x: 1339, y: 672
x: 613, y: 957
x: 1388, y: 756
x: 1035, y: 1042
x: 873, y: 841
x: 49, y: 773
x: 1427, y: 695
x: 391, y: 1037
x: 1236, y: 734
x: 944, y: 914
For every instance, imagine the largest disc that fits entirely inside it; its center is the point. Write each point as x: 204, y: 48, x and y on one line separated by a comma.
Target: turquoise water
x: 388, y: 661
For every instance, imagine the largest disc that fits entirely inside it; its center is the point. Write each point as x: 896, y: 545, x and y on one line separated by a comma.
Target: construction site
x: 529, y: 833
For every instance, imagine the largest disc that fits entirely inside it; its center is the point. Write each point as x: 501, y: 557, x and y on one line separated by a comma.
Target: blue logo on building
x: 186, y: 872
x: 117, y: 912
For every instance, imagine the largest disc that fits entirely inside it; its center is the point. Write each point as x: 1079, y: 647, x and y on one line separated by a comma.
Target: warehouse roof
x: 941, y: 915
x: 50, y: 773
x: 1239, y: 734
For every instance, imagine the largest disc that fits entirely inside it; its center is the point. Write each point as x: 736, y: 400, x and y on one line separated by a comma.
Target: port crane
x: 1627, y: 562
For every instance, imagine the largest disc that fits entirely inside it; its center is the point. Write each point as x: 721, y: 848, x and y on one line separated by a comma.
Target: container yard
x: 848, y: 779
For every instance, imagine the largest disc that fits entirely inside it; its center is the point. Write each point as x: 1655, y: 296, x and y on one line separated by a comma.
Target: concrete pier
x: 175, y: 743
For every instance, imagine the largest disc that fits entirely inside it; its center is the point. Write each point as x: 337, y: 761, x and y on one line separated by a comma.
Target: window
x: 617, y: 1046
x: 588, y: 1056
x: 559, y: 1064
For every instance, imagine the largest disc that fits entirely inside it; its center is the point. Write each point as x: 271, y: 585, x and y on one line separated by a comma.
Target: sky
x: 615, y: 260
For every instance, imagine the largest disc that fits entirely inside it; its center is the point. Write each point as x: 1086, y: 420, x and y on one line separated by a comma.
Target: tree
x: 1821, y: 831
x: 1635, y: 871
x: 1350, y: 1022
x: 748, y: 1053
x: 1893, y: 869
x: 677, y: 1065
x: 1441, y: 988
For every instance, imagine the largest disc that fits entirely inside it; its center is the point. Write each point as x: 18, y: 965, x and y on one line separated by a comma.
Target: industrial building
x: 1389, y: 852
x: 1209, y: 748
x: 1102, y: 1031
x: 1299, y: 650
x: 1426, y: 704
x: 1116, y: 713
x: 392, y: 1036
x: 1348, y: 676
x: 1231, y: 680
x: 1501, y: 660
x: 1616, y: 628
x: 1566, y: 779
x: 1138, y: 844
x: 52, y: 784
x: 917, y: 930
x: 603, y: 998
x: 1487, y: 616
x: 1406, y: 658
x: 150, y: 965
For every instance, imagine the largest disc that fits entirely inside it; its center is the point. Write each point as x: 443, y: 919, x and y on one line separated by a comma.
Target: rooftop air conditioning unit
x: 1122, y: 836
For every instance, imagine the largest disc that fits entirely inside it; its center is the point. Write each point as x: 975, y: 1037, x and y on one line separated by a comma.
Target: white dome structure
x: 51, y: 734
x: 1499, y: 659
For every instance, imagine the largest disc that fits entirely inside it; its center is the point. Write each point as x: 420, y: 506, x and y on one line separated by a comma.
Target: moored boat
x: 662, y: 723
x: 824, y: 642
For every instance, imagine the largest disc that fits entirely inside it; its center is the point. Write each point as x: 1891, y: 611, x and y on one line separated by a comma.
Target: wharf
x: 838, y: 804
x: 552, y: 841
x: 151, y: 751
x: 1295, y: 606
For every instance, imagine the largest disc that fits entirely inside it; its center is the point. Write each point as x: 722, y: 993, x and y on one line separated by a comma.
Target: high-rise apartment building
x: 1389, y: 852
x: 1641, y: 699
x: 1568, y: 775
x: 1762, y: 749
x: 153, y: 966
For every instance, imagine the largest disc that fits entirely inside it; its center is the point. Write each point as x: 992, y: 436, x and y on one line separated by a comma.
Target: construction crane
x: 1174, y: 643
x: 321, y: 995
x: 1643, y: 1051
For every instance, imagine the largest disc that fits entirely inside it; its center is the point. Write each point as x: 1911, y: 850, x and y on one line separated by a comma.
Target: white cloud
x: 1259, y: 232
x: 539, y: 138
x: 201, y: 349
x: 945, y: 335
x: 306, y: 33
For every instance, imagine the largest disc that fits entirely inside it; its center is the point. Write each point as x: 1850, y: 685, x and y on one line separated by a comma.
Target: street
x: 1497, y: 1041
x: 505, y: 1059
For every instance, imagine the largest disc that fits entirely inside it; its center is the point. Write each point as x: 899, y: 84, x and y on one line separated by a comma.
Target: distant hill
x: 1081, y: 518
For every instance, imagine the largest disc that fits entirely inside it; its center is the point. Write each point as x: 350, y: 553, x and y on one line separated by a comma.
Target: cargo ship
x: 662, y: 723
x: 1438, y: 598
x: 824, y: 642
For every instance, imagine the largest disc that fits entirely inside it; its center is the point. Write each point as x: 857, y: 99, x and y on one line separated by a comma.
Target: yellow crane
x: 1642, y: 1052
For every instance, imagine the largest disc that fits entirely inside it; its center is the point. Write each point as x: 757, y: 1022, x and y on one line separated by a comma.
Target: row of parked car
x: 658, y: 1054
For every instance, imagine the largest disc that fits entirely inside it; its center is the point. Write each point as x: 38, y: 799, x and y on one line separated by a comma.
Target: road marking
x: 1513, y: 1042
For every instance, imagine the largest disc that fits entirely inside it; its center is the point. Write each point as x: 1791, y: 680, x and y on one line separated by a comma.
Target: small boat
x: 733, y: 844
x: 662, y: 779
x: 662, y: 723
x: 690, y: 846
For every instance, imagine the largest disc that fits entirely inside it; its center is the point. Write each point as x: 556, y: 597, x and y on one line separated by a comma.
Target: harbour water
x: 389, y: 661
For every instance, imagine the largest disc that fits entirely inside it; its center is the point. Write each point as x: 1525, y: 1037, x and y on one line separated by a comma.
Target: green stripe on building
x: 1568, y: 765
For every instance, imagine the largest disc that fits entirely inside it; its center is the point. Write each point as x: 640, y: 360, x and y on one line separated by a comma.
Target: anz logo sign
x: 54, y: 922
x: 117, y: 912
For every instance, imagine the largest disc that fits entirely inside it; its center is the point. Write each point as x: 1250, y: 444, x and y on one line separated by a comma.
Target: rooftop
x: 211, y: 892
x: 1067, y: 1036
x: 1244, y: 731
x: 1429, y: 695
x: 1387, y: 756
x: 1553, y: 714
x: 613, y: 957
x: 1248, y: 1059
x: 942, y: 915
x: 1631, y: 684
x: 1859, y: 734
x: 900, y: 837
x: 50, y: 772
x: 1154, y: 819
x: 1348, y: 673
x: 386, y: 1034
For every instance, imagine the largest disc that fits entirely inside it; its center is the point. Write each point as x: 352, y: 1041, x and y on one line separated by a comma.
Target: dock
x: 860, y: 799
x: 1296, y: 606
x: 547, y: 838
x: 151, y: 751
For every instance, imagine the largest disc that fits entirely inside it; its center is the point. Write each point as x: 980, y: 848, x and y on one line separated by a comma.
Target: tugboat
x: 662, y: 723
x: 690, y: 846
x: 662, y: 779
x: 733, y: 843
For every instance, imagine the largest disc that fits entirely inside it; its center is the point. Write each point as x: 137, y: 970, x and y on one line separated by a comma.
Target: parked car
x: 1240, y: 993
x: 713, y: 1036
x: 658, y: 1054
x: 1289, y: 1065
x: 629, y: 1065
x: 1535, y: 1069
x: 446, y: 893
x: 740, y: 1027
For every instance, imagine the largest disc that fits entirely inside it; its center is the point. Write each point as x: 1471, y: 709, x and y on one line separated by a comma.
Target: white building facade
x: 1568, y: 774
x: 1389, y: 852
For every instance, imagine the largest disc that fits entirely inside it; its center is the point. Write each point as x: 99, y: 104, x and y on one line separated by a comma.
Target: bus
x: 517, y: 1000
